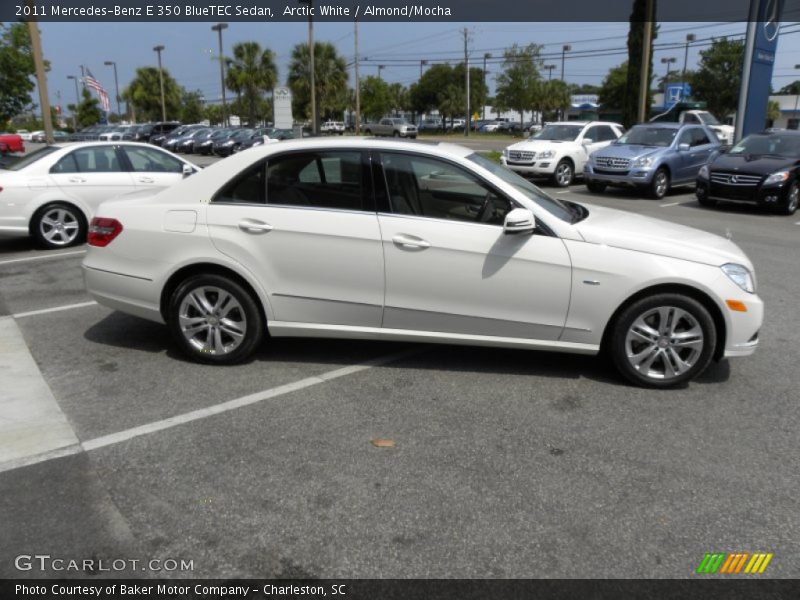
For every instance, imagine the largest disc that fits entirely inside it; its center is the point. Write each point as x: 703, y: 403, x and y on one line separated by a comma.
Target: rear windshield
x: 31, y: 158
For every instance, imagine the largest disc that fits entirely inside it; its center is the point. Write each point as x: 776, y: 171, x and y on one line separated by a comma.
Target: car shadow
x: 734, y: 208
x: 119, y: 330
x: 627, y: 193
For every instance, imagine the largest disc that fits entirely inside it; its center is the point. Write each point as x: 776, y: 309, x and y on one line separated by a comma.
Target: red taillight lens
x: 102, y: 231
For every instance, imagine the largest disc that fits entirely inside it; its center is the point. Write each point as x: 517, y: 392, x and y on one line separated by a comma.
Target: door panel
x: 93, y: 173
x: 153, y: 168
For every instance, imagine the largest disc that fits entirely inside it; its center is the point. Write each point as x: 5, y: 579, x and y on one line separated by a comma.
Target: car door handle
x: 254, y: 226
x: 146, y: 180
x: 77, y: 180
x: 410, y: 241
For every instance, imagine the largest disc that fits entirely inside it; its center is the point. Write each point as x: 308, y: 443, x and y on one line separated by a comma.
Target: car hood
x: 630, y: 231
x: 541, y: 145
x: 629, y: 150
x: 759, y: 165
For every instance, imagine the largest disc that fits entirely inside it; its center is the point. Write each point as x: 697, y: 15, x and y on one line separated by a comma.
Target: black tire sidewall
x: 631, y: 313
x: 74, y: 210
x: 255, y: 321
x: 653, y: 191
x: 786, y: 209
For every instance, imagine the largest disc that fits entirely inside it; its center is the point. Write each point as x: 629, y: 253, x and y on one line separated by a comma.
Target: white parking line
x: 44, y: 257
x: 203, y: 413
x: 44, y: 311
x: 670, y: 204
x: 563, y: 192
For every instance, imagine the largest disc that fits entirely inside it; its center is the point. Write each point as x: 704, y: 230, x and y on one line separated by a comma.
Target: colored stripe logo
x: 734, y: 563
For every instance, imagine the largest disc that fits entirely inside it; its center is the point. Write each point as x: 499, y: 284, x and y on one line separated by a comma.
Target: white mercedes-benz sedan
x: 52, y: 193
x: 397, y: 240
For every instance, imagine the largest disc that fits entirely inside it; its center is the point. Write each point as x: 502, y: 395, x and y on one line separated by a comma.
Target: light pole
x: 796, y: 96
x: 110, y: 63
x: 422, y: 63
x: 312, y: 66
x: 358, y: 83
x: 667, y: 60
x: 564, y: 49
x: 486, y: 56
x: 549, y: 69
x: 158, y: 50
x: 77, y: 102
x: 218, y: 28
x: 380, y: 68
x: 690, y: 37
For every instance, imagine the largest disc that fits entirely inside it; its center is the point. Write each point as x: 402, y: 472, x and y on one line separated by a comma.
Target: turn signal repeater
x: 102, y: 231
x: 736, y: 305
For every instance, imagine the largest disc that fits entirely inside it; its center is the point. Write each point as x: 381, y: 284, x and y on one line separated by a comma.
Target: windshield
x: 31, y: 158
x: 649, y: 136
x: 708, y: 119
x: 557, y: 208
x: 773, y: 144
x: 561, y: 133
x: 244, y: 134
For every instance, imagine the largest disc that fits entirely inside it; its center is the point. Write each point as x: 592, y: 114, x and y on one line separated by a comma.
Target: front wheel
x: 59, y: 225
x: 792, y: 199
x: 564, y: 174
x: 660, y: 184
x: 215, y: 320
x: 663, y: 341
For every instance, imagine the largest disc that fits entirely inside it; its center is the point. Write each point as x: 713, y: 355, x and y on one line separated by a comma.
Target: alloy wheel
x: 59, y: 226
x: 563, y: 174
x: 212, y: 320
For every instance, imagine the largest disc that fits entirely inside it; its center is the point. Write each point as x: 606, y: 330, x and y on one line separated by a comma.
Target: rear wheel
x: 663, y: 341
x: 792, y: 200
x: 596, y: 187
x: 59, y: 225
x: 215, y: 320
x: 660, y: 184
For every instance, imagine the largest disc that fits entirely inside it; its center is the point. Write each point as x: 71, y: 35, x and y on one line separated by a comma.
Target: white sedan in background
x: 52, y: 193
x: 389, y: 240
x: 560, y: 150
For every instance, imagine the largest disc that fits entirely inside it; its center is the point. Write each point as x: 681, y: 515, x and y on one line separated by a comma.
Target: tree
x: 773, y: 112
x: 517, y: 84
x: 478, y: 90
x: 88, y: 111
x: 451, y: 101
x: 583, y: 89
x: 213, y: 113
x: 400, y: 97
x: 252, y: 72
x: 192, y: 106
x: 553, y: 96
x: 330, y: 80
x: 144, y: 94
x: 719, y: 76
x: 376, y: 98
x: 424, y: 95
x: 614, y: 89
x: 792, y: 89
x: 16, y: 69
x: 630, y: 101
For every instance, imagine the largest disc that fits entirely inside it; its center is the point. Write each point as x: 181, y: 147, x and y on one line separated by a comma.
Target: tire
x: 644, y: 345
x: 792, y: 200
x: 660, y: 184
x: 596, y: 187
x: 564, y: 173
x: 58, y: 225
x: 215, y: 320
x: 367, y: 132
x: 396, y: 134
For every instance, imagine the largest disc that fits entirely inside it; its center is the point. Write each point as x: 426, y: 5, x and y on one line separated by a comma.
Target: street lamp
x: 667, y: 60
x: 690, y: 37
x: 549, y: 69
x: 486, y: 56
x: 110, y: 63
x: 158, y: 50
x: 422, y: 63
x: 380, y: 68
x: 77, y: 102
x: 312, y: 66
x: 564, y: 49
x: 218, y: 28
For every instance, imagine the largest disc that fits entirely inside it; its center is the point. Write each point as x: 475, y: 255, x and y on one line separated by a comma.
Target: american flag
x: 101, y: 91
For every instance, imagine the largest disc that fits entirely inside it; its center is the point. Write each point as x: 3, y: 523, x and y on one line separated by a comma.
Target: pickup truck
x: 681, y: 114
x: 11, y: 142
x: 392, y: 127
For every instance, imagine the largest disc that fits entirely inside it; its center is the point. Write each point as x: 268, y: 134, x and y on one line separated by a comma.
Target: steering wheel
x: 485, y: 209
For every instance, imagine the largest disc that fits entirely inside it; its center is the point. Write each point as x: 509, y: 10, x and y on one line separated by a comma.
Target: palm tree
x: 251, y: 73
x: 330, y: 78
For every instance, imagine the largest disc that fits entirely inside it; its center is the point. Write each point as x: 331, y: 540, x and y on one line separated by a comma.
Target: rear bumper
x: 133, y: 295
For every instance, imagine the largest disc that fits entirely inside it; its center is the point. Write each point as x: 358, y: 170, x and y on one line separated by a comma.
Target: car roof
x: 662, y: 125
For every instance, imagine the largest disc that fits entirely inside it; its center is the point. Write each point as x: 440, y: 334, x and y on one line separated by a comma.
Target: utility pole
x: 358, y: 86
x: 549, y: 69
x: 466, y: 81
x: 83, y: 77
x: 158, y: 50
x: 422, y: 63
x: 485, y: 56
x: 644, y: 74
x: 41, y: 78
x: 667, y: 61
x: 380, y: 68
x: 109, y: 63
x: 218, y: 28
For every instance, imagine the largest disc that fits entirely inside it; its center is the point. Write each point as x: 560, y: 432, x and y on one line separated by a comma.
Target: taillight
x: 102, y: 231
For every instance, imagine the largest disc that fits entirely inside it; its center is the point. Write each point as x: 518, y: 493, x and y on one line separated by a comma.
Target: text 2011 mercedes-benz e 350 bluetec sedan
x: 395, y: 240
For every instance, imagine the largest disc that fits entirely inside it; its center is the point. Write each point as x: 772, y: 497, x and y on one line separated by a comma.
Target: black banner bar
x: 375, y: 10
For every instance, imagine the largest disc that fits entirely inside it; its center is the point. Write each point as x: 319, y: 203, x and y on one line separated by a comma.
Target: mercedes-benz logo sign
x: 771, y: 22
x: 734, y: 179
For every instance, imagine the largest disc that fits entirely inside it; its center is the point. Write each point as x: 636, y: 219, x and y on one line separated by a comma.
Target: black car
x: 761, y: 169
x: 161, y: 130
x: 229, y: 145
x: 257, y: 139
x: 171, y: 141
x: 141, y: 133
x: 204, y: 144
x: 183, y: 142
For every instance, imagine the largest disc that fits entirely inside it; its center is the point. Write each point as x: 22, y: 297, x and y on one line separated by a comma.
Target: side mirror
x: 683, y: 147
x: 519, y: 220
x: 187, y: 170
x: 587, y: 141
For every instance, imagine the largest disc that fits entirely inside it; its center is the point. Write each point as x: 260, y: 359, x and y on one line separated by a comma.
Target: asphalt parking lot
x: 505, y: 463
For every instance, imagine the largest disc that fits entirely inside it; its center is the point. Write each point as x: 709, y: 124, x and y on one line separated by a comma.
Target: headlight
x: 778, y: 177
x: 505, y: 152
x: 546, y: 154
x: 703, y: 172
x: 741, y: 276
x: 645, y: 161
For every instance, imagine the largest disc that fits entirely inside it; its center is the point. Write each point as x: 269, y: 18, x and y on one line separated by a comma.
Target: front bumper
x: 635, y: 176
x: 771, y: 195
x: 542, y: 168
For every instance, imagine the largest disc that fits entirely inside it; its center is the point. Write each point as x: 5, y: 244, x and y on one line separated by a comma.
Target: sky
x: 191, y: 49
